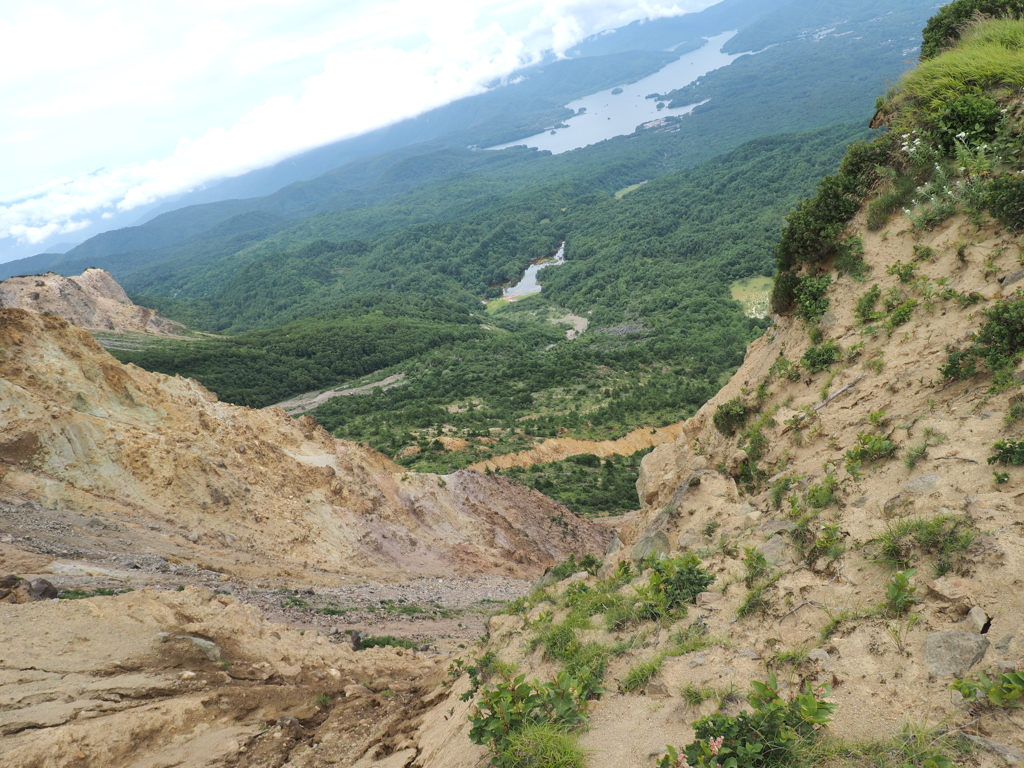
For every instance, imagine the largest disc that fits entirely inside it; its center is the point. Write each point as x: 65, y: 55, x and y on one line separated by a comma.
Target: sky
x: 109, y: 105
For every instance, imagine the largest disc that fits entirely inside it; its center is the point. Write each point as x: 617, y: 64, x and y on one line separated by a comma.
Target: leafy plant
x: 1006, y: 690
x: 674, y: 582
x: 756, y: 565
x: 510, y: 707
x: 899, y: 594
x: 567, y: 568
x: 1007, y: 452
x: 903, y: 272
x: 946, y: 537
x: 818, y: 358
x: 768, y: 736
x: 812, y: 297
x: 730, y: 416
x: 869, y: 447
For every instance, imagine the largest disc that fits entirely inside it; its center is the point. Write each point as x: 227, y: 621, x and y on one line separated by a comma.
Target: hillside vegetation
x: 826, y: 565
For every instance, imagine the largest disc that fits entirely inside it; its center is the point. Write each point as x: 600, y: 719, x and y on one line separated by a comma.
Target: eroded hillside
x: 90, y: 300
x: 236, y: 490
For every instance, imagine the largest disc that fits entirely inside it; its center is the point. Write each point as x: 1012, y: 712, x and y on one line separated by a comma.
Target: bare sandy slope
x: 181, y: 476
x: 90, y: 300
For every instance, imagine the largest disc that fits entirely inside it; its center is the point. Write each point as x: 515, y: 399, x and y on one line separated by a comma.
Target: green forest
x: 389, y: 265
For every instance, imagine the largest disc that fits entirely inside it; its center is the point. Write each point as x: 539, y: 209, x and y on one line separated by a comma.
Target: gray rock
x: 923, y: 484
x: 41, y: 589
x: 1013, y: 277
x: 211, y: 649
x: 655, y: 543
x: 1009, y: 754
x: 658, y: 689
x: 860, y: 502
x: 951, y: 654
x: 819, y: 655
x: 614, y: 545
x: 774, y: 550
x: 1007, y: 666
x: 746, y: 653
x: 771, y: 527
x: 686, y: 542
x: 975, y: 621
x: 828, y: 319
x: 707, y: 599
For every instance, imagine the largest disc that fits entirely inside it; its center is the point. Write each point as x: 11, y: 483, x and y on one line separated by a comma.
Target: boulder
x: 654, y: 543
x: 923, y: 484
x: 773, y: 550
x: 951, y: 654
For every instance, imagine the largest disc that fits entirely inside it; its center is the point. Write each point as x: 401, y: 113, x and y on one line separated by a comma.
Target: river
x: 606, y: 115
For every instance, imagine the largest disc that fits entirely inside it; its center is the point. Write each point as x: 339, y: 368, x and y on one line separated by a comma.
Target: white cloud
x: 122, y: 56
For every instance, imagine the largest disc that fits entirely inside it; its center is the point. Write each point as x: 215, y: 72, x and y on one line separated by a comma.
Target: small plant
x: 323, y: 699
x: 674, y: 582
x: 769, y: 735
x: 812, y: 297
x: 779, y: 490
x: 1005, y: 691
x: 640, y: 674
x: 757, y: 600
x: 756, y: 565
x: 730, y: 416
x: 1007, y: 452
x: 878, y: 419
x: 709, y: 529
x: 869, y: 447
x: 899, y: 630
x: 567, y: 568
x: 1016, y: 410
x: 695, y: 695
x: 865, y: 309
x: 903, y: 272
x: 818, y: 358
x: 923, y: 253
x: 947, y: 537
x: 1001, y: 477
x: 512, y: 707
x: 900, y: 595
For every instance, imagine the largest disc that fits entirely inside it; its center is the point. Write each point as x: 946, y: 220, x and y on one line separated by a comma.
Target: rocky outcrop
x: 91, y: 300
x: 244, y: 491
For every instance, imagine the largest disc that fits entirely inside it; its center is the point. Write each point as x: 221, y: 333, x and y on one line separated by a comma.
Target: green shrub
x: 850, y: 260
x: 783, y: 291
x: 515, y: 707
x: 1015, y: 412
x: 674, y: 582
x: 1006, y: 690
x: 1001, y: 338
x: 1008, y: 452
x: 812, y: 297
x: 779, y: 490
x: 903, y: 272
x: 960, y: 365
x: 811, y: 233
x: 899, y: 314
x: 865, y: 309
x: 823, y: 494
x: 869, y: 447
x: 768, y: 736
x: 730, y: 416
x: 899, y: 594
x: 756, y: 565
x: 818, y: 358
x: 1005, y: 199
x: 567, y: 568
x: 892, y: 199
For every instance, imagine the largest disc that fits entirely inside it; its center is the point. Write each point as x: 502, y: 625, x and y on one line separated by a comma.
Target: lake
x: 607, y: 115
x: 528, y: 285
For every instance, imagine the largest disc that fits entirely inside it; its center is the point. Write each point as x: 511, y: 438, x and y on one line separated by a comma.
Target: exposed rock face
x: 91, y: 300
x: 249, y: 492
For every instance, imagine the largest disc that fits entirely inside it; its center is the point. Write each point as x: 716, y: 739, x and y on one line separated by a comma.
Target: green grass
x: 946, y: 538
x: 641, y: 673
x: 542, y: 746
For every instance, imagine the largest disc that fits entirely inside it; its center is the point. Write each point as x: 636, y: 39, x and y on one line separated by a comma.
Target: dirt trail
x: 310, y: 400
x: 559, y: 448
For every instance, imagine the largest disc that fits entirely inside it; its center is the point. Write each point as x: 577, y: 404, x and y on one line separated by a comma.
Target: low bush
x: 818, y: 358
x: 812, y: 297
x: 945, y: 537
x: 730, y: 416
x: 770, y: 735
x: 1008, y: 452
x: 869, y: 447
x: 1005, y: 200
x: 674, y: 583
